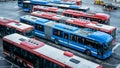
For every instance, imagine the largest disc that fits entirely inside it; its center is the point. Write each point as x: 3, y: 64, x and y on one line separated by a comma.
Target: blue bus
x: 29, y: 5
x: 98, y: 44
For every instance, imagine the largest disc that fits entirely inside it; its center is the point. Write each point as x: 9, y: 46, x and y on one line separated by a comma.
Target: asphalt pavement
x: 11, y: 10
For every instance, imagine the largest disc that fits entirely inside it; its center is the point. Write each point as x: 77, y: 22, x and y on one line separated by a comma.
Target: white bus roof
x: 20, y: 26
x: 101, y: 26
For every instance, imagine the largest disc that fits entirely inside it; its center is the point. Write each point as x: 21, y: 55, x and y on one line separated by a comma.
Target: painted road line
x: 118, y: 66
x: 20, y: 10
x: 116, y: 46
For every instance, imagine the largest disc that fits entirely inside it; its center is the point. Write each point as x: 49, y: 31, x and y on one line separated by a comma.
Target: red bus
x: 31, y: 53
x: 78, y: 23
x: 9, y: 26
x: 98, y: 17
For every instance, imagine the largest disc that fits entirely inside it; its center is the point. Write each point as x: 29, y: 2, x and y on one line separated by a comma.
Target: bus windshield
x: 19, y: 1
x: 29, y: 32
x: 107, y: 47
x: 26, y: 5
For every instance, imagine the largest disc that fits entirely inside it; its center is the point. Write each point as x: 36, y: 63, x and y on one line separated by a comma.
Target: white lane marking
x: 16, y: 7
x: 20, y: 10
x: 8, y: 62
x: 118, y: 66
x: 113, y: 50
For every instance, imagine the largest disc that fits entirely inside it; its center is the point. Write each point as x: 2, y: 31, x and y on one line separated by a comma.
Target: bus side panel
x: 59, y: 39
x: 39, y: 33
x: 77, y: 46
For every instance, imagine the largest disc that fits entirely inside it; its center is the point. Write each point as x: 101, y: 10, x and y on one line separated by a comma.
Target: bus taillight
x: 99, y: 66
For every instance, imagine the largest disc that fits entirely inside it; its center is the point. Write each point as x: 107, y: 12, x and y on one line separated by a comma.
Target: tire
x: 24, y: 64
x: 56, y: 41
x: 12, y: 56
x: 17, y: 60
x: 88, y: 52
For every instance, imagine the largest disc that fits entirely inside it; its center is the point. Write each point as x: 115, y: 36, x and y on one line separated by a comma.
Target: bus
x: 9, y: 26
x: 28, y: 5
x: 31, y: 53
x: 78, y: 23
x: 20, y: 2
x: 98, y: 17
x: 97, y: 43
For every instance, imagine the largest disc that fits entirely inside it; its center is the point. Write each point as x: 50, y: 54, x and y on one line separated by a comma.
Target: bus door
x: 76, y: 42
x: 11, y: 51
x: 100, y: 51
x: 66, y: 38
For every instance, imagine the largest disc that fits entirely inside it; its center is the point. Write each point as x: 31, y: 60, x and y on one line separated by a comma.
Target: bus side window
x: 65, y: 35
x: 81, y: 17
x: 91, y: 43
x: 57, y: 33
x: 39, y: 27
x: 30, y: 57
x: 73, y: 38
x: 65, y: 14
x: 88, y: 18
x: 100, y: 21
x: 6, y: 45
x: 88, y: 42
x: 41, y: 62
x: 84, y: 17
x: 75, y: 16
x: 69, y: 15
x: 17, y: 51
x: 80, y: 40
x: 24, y: 21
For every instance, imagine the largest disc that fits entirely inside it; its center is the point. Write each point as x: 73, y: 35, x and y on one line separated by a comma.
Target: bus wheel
x: 56, y: 41
x: 17, y: 60
x: 24, y: 64
x: 88, y: 52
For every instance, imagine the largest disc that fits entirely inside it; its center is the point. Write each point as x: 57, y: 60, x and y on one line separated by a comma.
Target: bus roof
x: 34, y: 19
x: 100, y: 37
x: 65, y: 27
x: 39, y: 2
x: 55, y: 54
x: 102, y: 27
x: 97, y: 35
x: 19, y: 26
x: 4, y: 21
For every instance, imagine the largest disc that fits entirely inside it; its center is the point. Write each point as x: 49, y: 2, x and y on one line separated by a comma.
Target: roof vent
x: 31, y: 43
x: 74, y: 60
x: 69, y: 54
x: 22, y: 39
x: 99, y: 24
x: 18, y: 24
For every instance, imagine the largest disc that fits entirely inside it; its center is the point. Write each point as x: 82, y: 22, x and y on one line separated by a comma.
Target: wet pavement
x: 11, y: 10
